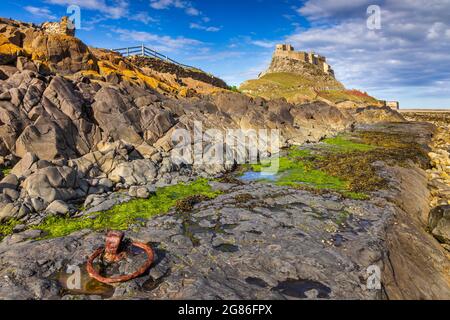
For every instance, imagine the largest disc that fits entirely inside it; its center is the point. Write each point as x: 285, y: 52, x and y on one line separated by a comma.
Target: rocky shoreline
x: 85, y: 146
x: 262, y: 241
x: 439, y: 175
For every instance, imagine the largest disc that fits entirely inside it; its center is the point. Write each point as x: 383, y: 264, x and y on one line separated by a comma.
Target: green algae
x: 6, y: 171
x: 7, y: 227
x: 297, y: 169
x: 124, y: 216
x: 346, y: 144
x: 345, y: 163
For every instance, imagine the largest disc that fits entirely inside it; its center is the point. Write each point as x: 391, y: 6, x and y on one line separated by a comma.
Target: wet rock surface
x: 280, y: 235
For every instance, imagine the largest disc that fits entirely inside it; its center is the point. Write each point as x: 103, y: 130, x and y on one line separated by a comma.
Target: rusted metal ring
x: 94, y: 274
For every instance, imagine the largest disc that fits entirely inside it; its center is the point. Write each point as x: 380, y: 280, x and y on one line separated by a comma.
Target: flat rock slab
x: 277, y: 243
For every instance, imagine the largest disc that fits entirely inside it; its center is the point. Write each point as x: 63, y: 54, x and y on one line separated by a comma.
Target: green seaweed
x: 7, y: 227
x: 297, y: 169
x: 345, y: 144
x: 125, y: 215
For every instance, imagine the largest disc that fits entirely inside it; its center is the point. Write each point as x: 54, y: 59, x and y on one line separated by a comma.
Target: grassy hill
x: 298, y: 88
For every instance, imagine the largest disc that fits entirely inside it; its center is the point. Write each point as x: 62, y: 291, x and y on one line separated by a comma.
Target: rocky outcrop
x: 55, y: 183
x: 55, y: 52
x: 439, y: 222
x: 179, y: 71
x: 439, y: 174
x: 373, y: 114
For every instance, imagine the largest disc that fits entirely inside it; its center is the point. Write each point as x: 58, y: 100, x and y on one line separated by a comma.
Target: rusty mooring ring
x: 113, y: 241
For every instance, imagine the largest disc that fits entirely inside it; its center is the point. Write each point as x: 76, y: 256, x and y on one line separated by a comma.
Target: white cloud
x: 143, y: 17
x: 205, y: 28
x: 179, y: 4
x: 192, y: 11
x: 317, y: 9
x: 40, y: 12
x: 114, y: 9
x: 157, y: 42
x: 263, y: 43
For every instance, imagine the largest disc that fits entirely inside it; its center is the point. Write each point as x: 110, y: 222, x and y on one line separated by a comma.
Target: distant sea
x: 424, y: 110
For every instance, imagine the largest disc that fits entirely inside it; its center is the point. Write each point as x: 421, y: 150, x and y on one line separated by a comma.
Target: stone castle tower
x: 288, y: 51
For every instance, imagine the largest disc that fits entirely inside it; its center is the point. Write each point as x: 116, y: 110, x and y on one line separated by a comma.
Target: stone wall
x: 394, y: 105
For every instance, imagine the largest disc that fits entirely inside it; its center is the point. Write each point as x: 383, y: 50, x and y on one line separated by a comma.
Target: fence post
x: 128, y: 51
x: 143, y: 50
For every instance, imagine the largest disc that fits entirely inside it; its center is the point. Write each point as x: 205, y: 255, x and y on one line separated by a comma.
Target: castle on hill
x: 287, y: 51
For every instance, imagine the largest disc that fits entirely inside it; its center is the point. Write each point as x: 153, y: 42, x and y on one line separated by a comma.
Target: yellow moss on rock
x: 9, y: 51
x: 133, y: 75
x: 106, y: 68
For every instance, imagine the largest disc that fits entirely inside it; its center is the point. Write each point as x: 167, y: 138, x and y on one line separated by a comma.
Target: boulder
x: 11, y: 193
x: 106, y: 183
x: 142, y: 193
x: 146, y: 150
x: 58, y: 207
x: 8, y: 71
x: 65, y: 97
x: 137, y: 172
x: 439, y: 223
x: 9, y: 211
x: 54, y: 183
x: 24, y: 164
x: 117, y: 116
x: 24, y: 64
x: 139, y: 192
x: 38, y: 204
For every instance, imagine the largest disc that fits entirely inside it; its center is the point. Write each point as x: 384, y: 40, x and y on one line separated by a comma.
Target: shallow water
x: 256, y: 282
x: 256, y: 176
x: 299, y: 288
x: 88, y: 286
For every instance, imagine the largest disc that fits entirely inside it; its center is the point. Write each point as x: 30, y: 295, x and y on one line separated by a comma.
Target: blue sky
x: 407, y: 59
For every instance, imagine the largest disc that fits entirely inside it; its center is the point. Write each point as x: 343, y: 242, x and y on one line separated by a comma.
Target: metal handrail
x: 147, y: 52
